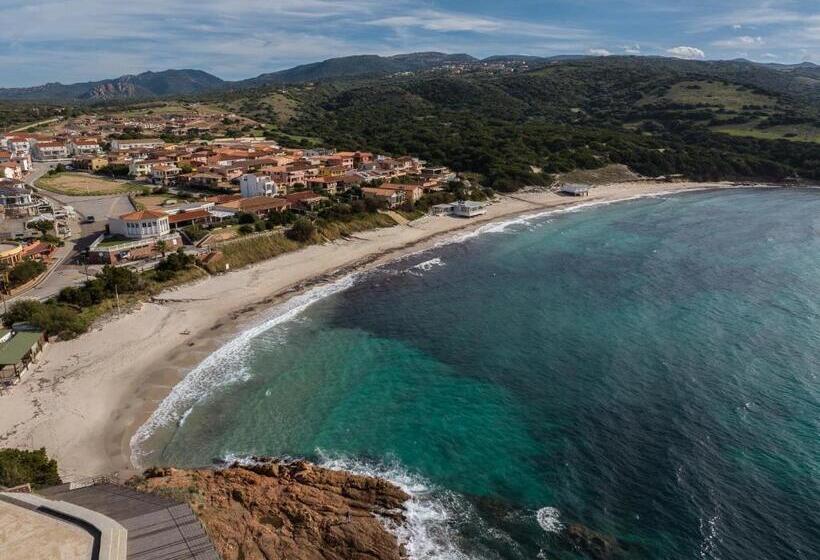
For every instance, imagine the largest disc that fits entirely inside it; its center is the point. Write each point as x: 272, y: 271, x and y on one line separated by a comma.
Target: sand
x: 85, y: 398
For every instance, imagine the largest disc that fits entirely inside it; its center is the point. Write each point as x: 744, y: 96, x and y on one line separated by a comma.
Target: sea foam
x: 225, y: 366
x: 549, y: 518
x: 431, y: 514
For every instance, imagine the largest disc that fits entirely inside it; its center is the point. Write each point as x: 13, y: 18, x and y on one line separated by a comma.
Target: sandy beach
x: 84, y: 399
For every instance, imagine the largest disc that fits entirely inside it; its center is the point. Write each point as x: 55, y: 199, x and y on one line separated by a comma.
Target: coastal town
x: 98, y: 191
x: 409, y: 281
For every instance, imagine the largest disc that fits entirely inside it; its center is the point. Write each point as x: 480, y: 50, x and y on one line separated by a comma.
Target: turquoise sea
x: 648, y: 369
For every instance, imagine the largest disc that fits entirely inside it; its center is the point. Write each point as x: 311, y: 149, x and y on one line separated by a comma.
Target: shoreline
x: 86, y: 398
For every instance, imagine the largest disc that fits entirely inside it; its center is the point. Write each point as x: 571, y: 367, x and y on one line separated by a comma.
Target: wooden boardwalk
x: 158, y: 528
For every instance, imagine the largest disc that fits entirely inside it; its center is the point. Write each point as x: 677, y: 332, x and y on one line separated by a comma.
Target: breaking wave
x: 549, y: 519
x: 432, y: 515
x: 225, y: 366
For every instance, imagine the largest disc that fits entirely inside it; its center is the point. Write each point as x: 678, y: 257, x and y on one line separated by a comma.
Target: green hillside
x: 658, y: 116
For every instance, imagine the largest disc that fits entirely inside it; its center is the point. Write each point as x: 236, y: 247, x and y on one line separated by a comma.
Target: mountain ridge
x: 175, y: 82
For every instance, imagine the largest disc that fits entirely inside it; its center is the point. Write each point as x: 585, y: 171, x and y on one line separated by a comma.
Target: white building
x: 50, y: 150
x: 468, y: 209
x: 164, y: 172
x: 81, y: 146
x: 18, y: 145
x: 251, y: 185
x: 142, y: 143
x: 16, y: 199
x: 143, y: 224
x: 140, y: 168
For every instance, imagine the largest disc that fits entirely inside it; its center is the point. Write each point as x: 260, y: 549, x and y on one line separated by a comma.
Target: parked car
x: 89, y: 220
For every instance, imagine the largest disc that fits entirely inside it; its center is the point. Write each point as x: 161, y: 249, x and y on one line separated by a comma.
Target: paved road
x: 22, y: 128
x: 68, y: 268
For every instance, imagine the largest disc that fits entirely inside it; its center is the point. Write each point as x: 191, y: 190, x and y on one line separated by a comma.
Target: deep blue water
x: 648, y: 369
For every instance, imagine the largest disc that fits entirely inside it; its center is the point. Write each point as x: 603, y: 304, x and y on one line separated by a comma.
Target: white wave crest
x: 428, y: 265
x: 549, y: 518
x: 225, y: 366
x: 430, y: 514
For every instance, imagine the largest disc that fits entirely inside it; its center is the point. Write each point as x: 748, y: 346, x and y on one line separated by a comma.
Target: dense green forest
x: 658, y: 117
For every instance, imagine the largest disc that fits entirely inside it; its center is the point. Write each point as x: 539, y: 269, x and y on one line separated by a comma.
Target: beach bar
x: 17, y: 353
x: 575, y: 190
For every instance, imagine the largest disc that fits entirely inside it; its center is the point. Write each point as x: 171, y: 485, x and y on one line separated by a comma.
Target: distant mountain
x: 356, y: 67
x: 799, y: 79
x: 145, y: 85
x: 532, y: 59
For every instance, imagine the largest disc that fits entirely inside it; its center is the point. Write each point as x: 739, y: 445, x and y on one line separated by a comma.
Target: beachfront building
x: 259, y: 205
x: 251, y: 185
x: 305, y: 200
x: 442, y: 209
x: 134, y: 236
x: 575, y: 190
x: 412, y: 193
x: 16, y: 199
x: 389, y: 197
x: 143, y: 224
x: 18, y: 349
x: 468, y: 209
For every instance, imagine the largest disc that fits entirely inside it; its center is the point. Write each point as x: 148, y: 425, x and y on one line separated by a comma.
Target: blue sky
x: 79, y: 40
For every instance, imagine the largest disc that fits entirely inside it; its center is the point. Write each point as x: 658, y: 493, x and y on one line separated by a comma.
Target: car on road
x: 89, y: 220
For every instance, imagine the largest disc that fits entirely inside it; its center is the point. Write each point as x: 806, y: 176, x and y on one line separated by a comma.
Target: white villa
x: 144, y: 224
x: 461, y: 209
x: 251, y: 185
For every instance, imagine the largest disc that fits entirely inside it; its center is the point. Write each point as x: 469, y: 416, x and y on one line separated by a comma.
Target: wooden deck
x: 158, y: 528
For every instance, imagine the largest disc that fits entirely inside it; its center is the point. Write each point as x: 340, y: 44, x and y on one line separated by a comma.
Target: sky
x: 81, y: 40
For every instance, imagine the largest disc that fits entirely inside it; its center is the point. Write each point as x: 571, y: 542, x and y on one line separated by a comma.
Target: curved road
x: 63, y: 272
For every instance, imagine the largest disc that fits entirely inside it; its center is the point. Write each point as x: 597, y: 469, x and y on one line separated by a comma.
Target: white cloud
x: 690, y: 53
x: 598, y: 52
x: 744, y: 41
x: 632, y: 49
x: 752, y: 15
x: 448, y: 22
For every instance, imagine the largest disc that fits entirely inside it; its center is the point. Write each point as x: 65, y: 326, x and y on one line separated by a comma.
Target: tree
x: 43, y: 226
x: 245, y: 218
x: 161, y: 246
x: 24, y: 271
x: 303, y: 230
x: 53, y: 318
x: 18, y: 466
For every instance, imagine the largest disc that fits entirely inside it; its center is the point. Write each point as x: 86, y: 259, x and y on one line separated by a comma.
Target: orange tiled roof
x: 143, y: 215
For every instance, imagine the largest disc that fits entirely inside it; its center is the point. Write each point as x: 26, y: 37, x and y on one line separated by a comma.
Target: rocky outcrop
x: 591, y: 543
x: 294, y: 510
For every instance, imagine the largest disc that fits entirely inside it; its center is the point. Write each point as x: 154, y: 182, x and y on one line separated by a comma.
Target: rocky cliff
x: 292, y: 510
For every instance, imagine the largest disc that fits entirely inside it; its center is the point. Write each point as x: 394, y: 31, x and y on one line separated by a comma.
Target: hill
x: 518, y: 120
x: 145, y: 85
x: 707, y: 120
x: 357, y: 67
